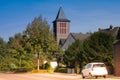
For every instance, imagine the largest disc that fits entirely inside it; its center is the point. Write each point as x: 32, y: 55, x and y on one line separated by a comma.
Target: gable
x: 70, y: 39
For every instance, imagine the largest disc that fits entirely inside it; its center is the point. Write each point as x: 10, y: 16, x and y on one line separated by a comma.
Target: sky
x: 85, y: 15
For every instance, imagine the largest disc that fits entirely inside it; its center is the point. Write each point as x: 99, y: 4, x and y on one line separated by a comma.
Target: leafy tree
x: 21, y: 49
x: 20, y: 56
x: 75, y: 56
x: 5, y: 59
x: 41, y: 39
x: 99, y: 47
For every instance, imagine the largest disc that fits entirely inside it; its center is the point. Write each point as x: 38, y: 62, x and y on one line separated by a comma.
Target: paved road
x: 46, y: 76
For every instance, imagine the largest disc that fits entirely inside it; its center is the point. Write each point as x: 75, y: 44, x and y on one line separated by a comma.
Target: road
x: 45, y: 76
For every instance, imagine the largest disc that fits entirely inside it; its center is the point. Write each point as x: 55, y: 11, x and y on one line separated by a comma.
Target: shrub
x: 62, y: 70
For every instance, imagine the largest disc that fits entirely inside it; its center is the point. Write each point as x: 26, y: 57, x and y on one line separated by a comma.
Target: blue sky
x: 85, y: 15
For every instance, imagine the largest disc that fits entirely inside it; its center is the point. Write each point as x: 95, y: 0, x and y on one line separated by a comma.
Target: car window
x: 99, y: 65
x: 88, y: 66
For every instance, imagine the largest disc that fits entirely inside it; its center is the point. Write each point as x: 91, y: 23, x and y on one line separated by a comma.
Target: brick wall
x: 117, y: 58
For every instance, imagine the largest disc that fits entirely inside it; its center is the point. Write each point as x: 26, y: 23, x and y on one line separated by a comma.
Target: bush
x: 47, y: 65
x: 19, y: 70
x: 50, y: 70
x: 61, y: 70
x: 40, y: 71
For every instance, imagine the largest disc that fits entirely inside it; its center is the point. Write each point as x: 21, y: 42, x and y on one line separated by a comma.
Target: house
x: 116, y: 58
x: 115, y: 31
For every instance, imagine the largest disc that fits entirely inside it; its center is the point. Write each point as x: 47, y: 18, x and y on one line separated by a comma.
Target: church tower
x: 61, y: 26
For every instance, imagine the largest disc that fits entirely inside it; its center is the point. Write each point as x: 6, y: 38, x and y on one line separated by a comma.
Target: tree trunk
x: 20, y: 63
x: 38, y: 62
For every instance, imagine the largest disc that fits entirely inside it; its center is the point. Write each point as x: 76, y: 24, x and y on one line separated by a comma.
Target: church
x: 61, y: 26
x: 61, y: 31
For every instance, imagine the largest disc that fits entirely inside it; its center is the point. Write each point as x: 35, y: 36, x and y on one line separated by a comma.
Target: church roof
x: 72, y: 37
x: 62, y: 41
x: 61, y: 16
x: 80, y: 36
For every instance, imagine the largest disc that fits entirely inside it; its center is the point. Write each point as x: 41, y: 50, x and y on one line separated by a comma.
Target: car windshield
x: 99, y: 65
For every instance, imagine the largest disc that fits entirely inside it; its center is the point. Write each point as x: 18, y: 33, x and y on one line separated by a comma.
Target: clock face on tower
x: 61, y: 26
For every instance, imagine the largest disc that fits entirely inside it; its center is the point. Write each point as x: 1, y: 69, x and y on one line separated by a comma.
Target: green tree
x: 41, y: 39
x: 4, y: 58
x: 20, y: 56
x: 99, y: 47
x: 75, y: 56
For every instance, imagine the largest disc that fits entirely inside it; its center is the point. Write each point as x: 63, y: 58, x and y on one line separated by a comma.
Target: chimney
x: 111, y: 27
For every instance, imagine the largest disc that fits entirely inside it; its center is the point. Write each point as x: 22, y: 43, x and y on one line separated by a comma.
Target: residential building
x: 116, y: 58
x: 115, y: 31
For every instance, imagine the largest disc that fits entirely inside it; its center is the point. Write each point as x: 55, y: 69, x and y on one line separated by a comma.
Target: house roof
x: 80, y: 36
x: 61, y: 16
x: 116, y: 42
x: 115, y: 31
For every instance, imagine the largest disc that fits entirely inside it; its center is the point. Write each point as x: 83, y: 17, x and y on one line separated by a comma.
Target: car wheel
x: 96, y: 77
x: 83, y: 76
x: 104, y: 76
x: 90, y: 76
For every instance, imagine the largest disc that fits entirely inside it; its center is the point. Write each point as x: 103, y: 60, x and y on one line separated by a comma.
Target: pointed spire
x: 61, y: 16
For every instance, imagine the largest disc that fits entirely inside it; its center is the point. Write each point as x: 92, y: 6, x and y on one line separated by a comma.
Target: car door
x: 87, y: 69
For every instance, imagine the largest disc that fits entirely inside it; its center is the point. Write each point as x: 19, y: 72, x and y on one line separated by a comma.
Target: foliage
x: 41, y: 39
x: 75, y: 55
x: 61, y: 70
x: 20, y: 52
x: 47, y: 65
x: 4, y: 56
x: 97, y: 48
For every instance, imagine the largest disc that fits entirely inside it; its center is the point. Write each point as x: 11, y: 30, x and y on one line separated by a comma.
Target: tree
x: 99, y: 47
x: 4, y: 57
x: 41, y: 39
x: 19, y: 52
x: 75, y: 56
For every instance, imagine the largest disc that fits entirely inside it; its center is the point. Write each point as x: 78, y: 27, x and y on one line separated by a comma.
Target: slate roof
x: 61, y: 16
x: 115, y: 31
x: 75, y: 36
x: 80, y: 36
x: 62, y: 41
